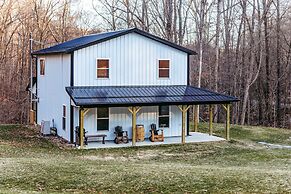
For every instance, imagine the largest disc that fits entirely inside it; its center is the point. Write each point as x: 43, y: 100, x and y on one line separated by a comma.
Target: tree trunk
x: 217, y: 37
x: 278, y: 54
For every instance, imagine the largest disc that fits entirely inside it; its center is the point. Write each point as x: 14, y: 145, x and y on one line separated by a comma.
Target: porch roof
x: 116, y: 96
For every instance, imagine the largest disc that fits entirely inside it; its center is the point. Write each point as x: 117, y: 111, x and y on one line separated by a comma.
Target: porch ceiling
x: 116, y: 96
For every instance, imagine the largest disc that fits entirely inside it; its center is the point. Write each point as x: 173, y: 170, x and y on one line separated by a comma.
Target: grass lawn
x: 31, y: 164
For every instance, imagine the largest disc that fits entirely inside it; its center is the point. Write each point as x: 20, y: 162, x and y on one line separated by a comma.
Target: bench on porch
x: 93, y: 138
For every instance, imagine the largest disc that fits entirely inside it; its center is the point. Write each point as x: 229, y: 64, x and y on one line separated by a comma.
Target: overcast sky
x: 86, y: 6
x: 83, y: 4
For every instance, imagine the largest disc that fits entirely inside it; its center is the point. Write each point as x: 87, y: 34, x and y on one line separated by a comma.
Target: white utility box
x: 45, y: 127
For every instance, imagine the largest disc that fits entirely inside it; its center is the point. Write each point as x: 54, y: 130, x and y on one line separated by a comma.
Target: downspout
x: 71, y: 106
x: 30, y: 62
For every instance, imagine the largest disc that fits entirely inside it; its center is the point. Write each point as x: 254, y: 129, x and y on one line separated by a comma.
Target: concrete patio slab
x: 194, y: 137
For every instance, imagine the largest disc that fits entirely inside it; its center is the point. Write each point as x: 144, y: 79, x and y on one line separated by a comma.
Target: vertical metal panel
x: 51, y: 92
x: 133, y: 61
x: 176, y: 121
x: 90, y: 123
x: 76, y: 120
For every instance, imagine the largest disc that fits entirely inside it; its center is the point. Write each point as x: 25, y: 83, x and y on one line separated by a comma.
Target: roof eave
x: 152, y: 104
x: 47, y: 53
x: 166, y: 42
x: 136, y: 30
x: 100, y: 41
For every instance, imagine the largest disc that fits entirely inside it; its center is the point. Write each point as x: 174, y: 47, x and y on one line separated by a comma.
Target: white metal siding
x: 122, y: 117
x: 133, y: 61
x: 52, y: 94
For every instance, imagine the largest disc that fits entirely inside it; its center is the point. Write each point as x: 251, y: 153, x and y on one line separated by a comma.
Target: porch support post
x: 134, y: 110
x: 196, y: 116
x: 210, y: 119
x: 184, y: 109
x: 227, y: 126
x: 86, y: 111
x: 227, y: 121
x: 81, y: 127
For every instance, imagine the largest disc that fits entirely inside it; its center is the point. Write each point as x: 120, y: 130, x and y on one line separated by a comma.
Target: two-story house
x: 119, y: 78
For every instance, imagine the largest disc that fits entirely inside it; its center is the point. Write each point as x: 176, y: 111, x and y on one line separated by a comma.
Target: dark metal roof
x: 92, y: 96
x: 89, y: 40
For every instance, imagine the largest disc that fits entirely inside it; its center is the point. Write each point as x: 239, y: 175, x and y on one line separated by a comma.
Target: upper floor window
x: 42, y: 66
x: 102, y: 119
x: 102, y: 68
x: 164, y: 68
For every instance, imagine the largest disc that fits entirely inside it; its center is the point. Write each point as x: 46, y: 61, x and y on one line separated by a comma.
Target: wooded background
x: 243, y: 46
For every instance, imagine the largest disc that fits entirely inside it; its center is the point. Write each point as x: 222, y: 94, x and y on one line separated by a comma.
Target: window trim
x: 158, y: 67
x: 96, y: 68
x: 64, y: 117
x: 158, y: 117
x: 102, y: 119
x: 41, y: 59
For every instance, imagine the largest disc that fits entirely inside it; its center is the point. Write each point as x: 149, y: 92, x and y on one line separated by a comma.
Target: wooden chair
x: 120, y: 135
x: 155, y: 136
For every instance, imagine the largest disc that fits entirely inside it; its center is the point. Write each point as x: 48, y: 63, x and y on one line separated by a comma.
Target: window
x: 102, y: 68
x: 164, y: 116
x: 64, y: 117
x: 164, y: 68
x: 42, y: 66
x: 102, y: 119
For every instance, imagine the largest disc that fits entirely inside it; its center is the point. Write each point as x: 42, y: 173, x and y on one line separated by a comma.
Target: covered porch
x: 137, y: 97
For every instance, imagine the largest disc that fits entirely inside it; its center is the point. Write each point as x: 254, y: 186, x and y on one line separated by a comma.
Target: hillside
x: 29, y: 163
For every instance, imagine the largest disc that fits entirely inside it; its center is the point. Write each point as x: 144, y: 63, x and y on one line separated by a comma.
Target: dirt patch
x: 270, y: 145
x: 142, y: 155
x: 56, y: 140
x: 148, y: 154
x: 105, y: 158
x: 59, y: 142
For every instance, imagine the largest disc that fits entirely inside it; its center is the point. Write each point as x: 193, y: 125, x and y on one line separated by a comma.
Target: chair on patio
x: 120, y: 135
x: 155, y: 136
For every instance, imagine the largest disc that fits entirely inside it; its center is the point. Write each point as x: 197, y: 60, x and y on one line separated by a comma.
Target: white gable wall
x: 51, y: 91
x: 133, y: 60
